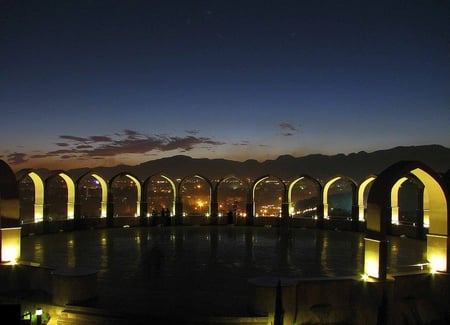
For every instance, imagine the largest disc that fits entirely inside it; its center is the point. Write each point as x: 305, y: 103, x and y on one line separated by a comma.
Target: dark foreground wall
x: 414, y: 298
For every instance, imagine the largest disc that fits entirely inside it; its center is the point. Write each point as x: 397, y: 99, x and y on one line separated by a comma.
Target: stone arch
x: 182, y: 195
x: 361, y: 202
x: 379, y: 213
x: 234, y: 206
x: 283, y: 198
x: 70, y: 186
x: 297, y: 180
x: 138, y: 185
x: 104, y: 190
x: 326, y: 188
x: 38, y: 184
x: 146, y: 186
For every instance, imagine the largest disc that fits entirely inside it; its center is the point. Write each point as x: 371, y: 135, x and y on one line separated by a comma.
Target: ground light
x: 38, y: 316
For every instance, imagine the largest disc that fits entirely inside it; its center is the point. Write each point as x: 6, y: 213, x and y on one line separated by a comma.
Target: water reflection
x: 178, y: 264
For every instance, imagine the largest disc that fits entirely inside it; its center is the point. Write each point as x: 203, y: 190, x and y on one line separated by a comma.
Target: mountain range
x: 355, y: 165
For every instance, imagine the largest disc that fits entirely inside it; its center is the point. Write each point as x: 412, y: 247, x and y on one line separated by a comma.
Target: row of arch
x: 382, y: 206
x: 242, y: 192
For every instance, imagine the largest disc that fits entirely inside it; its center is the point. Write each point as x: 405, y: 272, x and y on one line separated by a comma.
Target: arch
x: 361, y: 190
x: 394, y: 200
x: 138, y: 185
x: 38, y: 195
x: 146, y: 185
x: 327, y: 187
x: 195, y: 202
x: 291, y: 188
x: 260, y: 180
x: 101, y: 182
x: 379, y: 213
x: 70, y: 186
x: 224, y: 206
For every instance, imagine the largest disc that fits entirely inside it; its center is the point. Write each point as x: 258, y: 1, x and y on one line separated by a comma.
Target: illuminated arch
x: 138, y: 185
x: 394, y: 200
x: 205, y: 179
x: 326, y: 188
x: 294, y: 182
x: 171, y: 183
x: 261, y: 179
x: 70, y: 185
x: 243, y: 186
x: 361, y: 189
x: 379, y: 212
x: 38, y: 196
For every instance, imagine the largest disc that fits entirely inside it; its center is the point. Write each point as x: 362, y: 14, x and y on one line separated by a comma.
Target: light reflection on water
x: 174, y: 264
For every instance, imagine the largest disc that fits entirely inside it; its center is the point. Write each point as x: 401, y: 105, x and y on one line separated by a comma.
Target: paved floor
x: 203, y: 270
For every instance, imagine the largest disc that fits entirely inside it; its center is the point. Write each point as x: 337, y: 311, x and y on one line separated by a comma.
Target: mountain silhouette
x: 355, y: 165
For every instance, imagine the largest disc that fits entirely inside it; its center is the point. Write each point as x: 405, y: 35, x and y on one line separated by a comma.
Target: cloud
x: 73, y: 138
x: 130, y: 142
x: 287, y: 129
x: 16, y: 158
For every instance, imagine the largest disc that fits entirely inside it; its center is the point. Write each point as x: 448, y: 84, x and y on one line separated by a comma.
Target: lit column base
x: 437, y: 252
x: 375, y: 253
x: 10, y: 244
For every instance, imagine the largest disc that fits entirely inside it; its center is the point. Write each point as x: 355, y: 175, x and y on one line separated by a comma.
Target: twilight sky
x: 90, y: 83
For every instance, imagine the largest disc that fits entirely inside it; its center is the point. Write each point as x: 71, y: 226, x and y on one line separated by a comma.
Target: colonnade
x: 105, y: 185
x: 382, y: 206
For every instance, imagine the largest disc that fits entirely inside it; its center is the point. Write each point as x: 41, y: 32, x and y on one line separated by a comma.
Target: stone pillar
x: 178, y: 211
x: 250, y: 213
x: 214, y: 212
x: 320, y: 216
x: 375, y: 258
x: 110, y: 210
x: 355, y: 217
x: 143, y: 219
x: 420, y: 232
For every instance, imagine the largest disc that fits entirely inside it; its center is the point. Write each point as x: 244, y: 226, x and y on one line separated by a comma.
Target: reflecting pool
x: 204, y: 270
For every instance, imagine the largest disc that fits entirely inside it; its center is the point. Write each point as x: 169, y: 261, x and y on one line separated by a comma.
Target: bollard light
x: 38, y: 316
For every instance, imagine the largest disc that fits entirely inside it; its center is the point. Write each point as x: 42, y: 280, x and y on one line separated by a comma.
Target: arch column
x: 214, y: 207
x: 320, y: 214
x: 110, y: 209
x: 178, y: 209
x: 285, y: 209
x: 143, y: 207
x: 77, y: 209
x: 420, y: 231
x: 249, y: 208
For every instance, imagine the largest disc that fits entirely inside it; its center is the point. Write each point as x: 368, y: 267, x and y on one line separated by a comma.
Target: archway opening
x: 90, y: 194
x: 196, y: 196
x: 125, y: 190
x: 304, y: 198
x: 27, y: 199
x: 338, y: 198
x: 160, y: 196
x: 232, y: 197
x: 55, y: 199
x: 268, y: 197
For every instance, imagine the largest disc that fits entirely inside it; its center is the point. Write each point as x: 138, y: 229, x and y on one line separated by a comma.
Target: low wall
x: 415, y: 298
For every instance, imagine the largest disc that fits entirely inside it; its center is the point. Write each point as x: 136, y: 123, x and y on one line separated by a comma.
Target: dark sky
x: 87, y: 83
